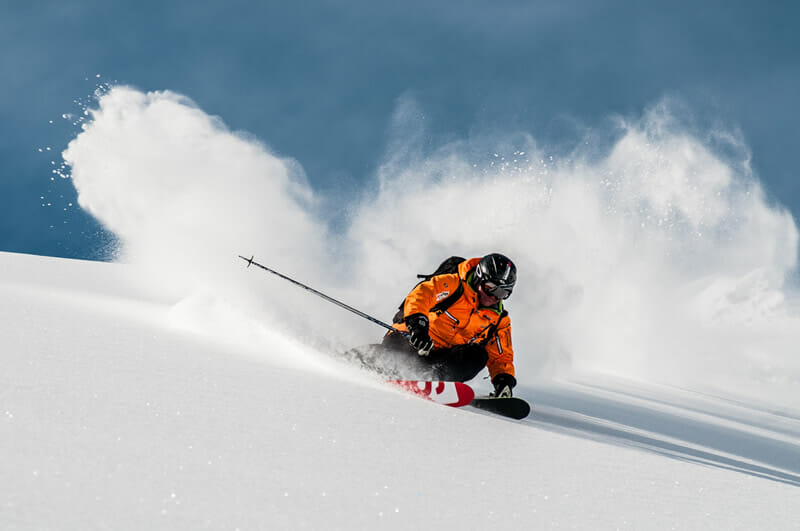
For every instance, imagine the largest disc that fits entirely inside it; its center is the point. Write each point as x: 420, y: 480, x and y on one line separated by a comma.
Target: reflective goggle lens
x: 497, y: 291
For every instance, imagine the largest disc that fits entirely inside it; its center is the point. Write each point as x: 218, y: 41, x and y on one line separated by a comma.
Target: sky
x: 321, y: 82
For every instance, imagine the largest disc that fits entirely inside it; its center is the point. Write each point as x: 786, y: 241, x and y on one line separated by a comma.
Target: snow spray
x: 649, y: 250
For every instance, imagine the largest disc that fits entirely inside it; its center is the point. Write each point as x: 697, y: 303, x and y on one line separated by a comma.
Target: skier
x: 456, y: 325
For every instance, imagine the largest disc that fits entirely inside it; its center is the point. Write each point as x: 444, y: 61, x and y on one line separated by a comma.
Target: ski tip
x: 248, y: 260
x: 455, y: 394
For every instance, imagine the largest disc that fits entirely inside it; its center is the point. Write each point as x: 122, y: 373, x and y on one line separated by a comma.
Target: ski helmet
x: 497, y: 274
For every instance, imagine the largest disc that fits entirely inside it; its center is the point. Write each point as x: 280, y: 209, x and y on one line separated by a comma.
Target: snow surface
x: 656, y: 324
x: 114, y: 414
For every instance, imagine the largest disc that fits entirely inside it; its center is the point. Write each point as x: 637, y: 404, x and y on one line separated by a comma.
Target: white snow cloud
x: 659, y: 258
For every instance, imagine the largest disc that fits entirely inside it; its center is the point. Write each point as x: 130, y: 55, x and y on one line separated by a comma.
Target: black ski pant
x: 459, y: 363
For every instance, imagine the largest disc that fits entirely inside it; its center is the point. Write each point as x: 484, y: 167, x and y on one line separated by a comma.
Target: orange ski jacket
x: 464, y: 321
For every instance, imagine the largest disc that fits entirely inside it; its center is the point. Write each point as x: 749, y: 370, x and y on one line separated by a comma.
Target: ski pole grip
x: 421, y: 352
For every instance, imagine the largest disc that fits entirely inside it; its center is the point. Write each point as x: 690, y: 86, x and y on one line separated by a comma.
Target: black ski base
x: 513, y: 407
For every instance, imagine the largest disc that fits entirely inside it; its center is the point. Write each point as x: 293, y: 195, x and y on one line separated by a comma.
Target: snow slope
x: 115, y: 413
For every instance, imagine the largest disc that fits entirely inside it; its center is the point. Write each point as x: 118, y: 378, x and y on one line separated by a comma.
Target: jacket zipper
x: 448, y: 314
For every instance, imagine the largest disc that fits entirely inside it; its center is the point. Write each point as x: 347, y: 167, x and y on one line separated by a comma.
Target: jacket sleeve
x: 500, y: 350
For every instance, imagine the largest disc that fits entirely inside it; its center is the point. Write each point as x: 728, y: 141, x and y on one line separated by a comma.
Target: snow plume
x: 185, y: 196
x: 655, y: 255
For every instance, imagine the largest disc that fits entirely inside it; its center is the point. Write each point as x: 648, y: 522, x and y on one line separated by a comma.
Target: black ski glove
x: 417, y: 325
x: 503, y: 384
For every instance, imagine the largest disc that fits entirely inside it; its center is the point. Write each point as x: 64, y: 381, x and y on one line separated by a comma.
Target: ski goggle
x: 498, y: 291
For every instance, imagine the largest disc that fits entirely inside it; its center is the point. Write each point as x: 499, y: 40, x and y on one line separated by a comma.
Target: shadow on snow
x: 698, y: 429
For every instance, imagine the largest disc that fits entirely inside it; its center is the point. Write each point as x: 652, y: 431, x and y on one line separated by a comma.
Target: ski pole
x: 250, y: 262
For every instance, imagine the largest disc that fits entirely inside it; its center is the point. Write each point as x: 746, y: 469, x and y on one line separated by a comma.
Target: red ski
x: 455, y: 394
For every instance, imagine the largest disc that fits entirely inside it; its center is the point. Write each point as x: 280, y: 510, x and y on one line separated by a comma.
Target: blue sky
x: 318, y: 81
